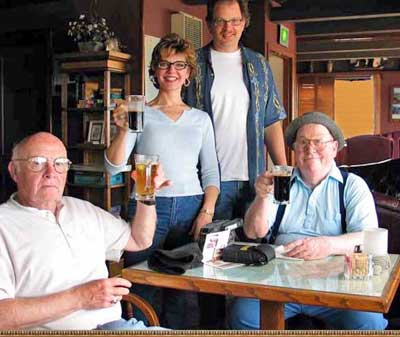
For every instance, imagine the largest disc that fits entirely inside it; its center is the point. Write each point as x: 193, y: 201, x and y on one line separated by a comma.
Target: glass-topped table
x: 319, y: 282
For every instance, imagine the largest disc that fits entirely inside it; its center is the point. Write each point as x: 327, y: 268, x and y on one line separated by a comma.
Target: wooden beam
x: 37, y: 16
x: 195, y: 2
x: 204, y: 2
x: 314, y: 10
x: 348, y: 27
x: 318, y: 46
x: 395, y: 53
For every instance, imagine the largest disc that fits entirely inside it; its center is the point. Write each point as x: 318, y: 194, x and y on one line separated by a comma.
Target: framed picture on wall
x: 113, y: 133
x: 395, y: 102
x: 95, y: 131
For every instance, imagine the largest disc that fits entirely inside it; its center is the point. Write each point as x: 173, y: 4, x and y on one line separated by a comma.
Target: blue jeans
x: 122, y: 324
x: 245, y: 314
x: 233, y: 200
x: 174, y: 214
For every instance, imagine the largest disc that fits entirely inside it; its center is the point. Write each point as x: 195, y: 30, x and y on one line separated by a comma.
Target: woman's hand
x: 201, y: 220
x: 120, y: 117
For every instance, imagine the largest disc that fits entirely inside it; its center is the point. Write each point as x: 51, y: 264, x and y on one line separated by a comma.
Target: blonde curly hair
x: 172, y: 44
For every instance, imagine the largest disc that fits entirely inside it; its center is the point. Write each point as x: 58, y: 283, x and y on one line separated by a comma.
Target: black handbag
x: 218, y: 226
x: 249, y: 254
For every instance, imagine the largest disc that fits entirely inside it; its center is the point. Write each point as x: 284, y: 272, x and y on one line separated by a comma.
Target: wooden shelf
x: 91, y: 56
x: 88, y: 146
x: 102, y: 186
x: 96, y: 61
x: 88, y: 178
x: 95, y: 168
x: 88, y: 110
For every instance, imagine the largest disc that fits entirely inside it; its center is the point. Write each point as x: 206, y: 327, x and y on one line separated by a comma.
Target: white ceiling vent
x: 188, y: 27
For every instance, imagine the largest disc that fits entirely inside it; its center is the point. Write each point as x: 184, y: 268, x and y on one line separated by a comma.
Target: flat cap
x: 314, y: 118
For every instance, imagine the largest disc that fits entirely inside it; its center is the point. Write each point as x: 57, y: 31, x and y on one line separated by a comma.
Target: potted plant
x: 91, y: 34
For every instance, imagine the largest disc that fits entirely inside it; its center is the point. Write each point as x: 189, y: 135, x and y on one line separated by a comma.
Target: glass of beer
x: 135, y: 112
x: 146, y: 167
x: 282, y: 174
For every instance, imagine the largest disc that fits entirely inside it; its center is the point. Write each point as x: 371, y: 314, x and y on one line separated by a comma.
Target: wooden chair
x: 131, y: 300
x: 369, y: 156
x: 365, y: 149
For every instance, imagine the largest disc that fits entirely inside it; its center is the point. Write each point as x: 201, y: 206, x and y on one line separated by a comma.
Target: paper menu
x: 214, y: 244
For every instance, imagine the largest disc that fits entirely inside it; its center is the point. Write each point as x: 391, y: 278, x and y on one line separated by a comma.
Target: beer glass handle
x: 148, y: 177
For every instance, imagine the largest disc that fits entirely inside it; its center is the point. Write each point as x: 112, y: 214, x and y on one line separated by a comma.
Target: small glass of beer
x: 282, y: 174
x: 146, y: 167
x: 135, y: 112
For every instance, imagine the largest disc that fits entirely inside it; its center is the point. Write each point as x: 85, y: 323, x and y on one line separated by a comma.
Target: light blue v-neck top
x: 181, y: 145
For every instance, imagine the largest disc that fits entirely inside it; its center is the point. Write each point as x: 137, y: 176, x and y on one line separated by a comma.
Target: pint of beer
x: 282, y: 174
x: 135, y: 112
x: 146, y: 167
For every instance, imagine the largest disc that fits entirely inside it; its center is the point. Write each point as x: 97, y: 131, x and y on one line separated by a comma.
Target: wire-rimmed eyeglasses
x: 39, y: 163
x: 221, y: 22
x: 178, y: 65
x: 318, y: 144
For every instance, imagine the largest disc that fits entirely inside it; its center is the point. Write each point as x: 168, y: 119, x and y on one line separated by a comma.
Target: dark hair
x: 172, y: 44
x: 244, y: 9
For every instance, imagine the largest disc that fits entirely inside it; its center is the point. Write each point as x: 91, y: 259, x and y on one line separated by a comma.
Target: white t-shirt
x: 41, y: 255
x: 230, y: 104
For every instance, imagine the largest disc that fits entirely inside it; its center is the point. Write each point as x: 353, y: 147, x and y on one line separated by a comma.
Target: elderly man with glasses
x: 314, y: 225
x: 53, y: 248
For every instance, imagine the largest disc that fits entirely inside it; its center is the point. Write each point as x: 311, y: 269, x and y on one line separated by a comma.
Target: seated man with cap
x: 311, y: 226
x: 53, y: 248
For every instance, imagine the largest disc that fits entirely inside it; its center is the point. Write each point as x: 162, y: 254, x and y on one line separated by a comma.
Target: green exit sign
x: 283, y: 35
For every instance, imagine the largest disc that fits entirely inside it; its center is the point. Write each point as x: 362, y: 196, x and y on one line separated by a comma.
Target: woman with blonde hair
x: 183, y: 137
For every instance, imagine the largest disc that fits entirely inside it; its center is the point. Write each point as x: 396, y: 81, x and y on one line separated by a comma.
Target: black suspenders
x: 281, y: 209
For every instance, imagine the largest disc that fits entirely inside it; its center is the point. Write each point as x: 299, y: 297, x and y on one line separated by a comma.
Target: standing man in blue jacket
x: 234, y: 84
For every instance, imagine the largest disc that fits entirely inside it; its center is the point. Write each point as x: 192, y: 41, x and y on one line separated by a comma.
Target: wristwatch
x: 208, y: 211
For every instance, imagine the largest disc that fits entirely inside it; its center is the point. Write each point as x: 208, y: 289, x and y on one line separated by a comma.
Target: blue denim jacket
x: 265, y: 104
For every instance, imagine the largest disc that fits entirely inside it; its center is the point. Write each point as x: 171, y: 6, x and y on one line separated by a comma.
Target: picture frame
x: 395, y: 102
x: 113, y: 133
x: 95, y: 131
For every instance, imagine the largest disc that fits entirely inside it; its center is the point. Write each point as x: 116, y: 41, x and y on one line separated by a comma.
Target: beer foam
x: 281, y: 174
x: 135, y: 106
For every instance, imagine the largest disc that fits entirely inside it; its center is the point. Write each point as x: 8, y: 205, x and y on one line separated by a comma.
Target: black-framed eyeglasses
x: 178, y: 65
x: 221, y: 22
x: 39, y: 163
x: 318, y: 144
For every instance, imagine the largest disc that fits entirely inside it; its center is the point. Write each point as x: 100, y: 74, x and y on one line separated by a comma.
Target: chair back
x: 365, y: 149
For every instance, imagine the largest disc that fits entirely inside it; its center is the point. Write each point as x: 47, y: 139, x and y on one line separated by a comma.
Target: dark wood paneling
x: 320, y: 46
x: 254, y: 36
x: 37, y: 16
x: 315, y: 10
x: 338, y: 55
x: 348, y: 27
